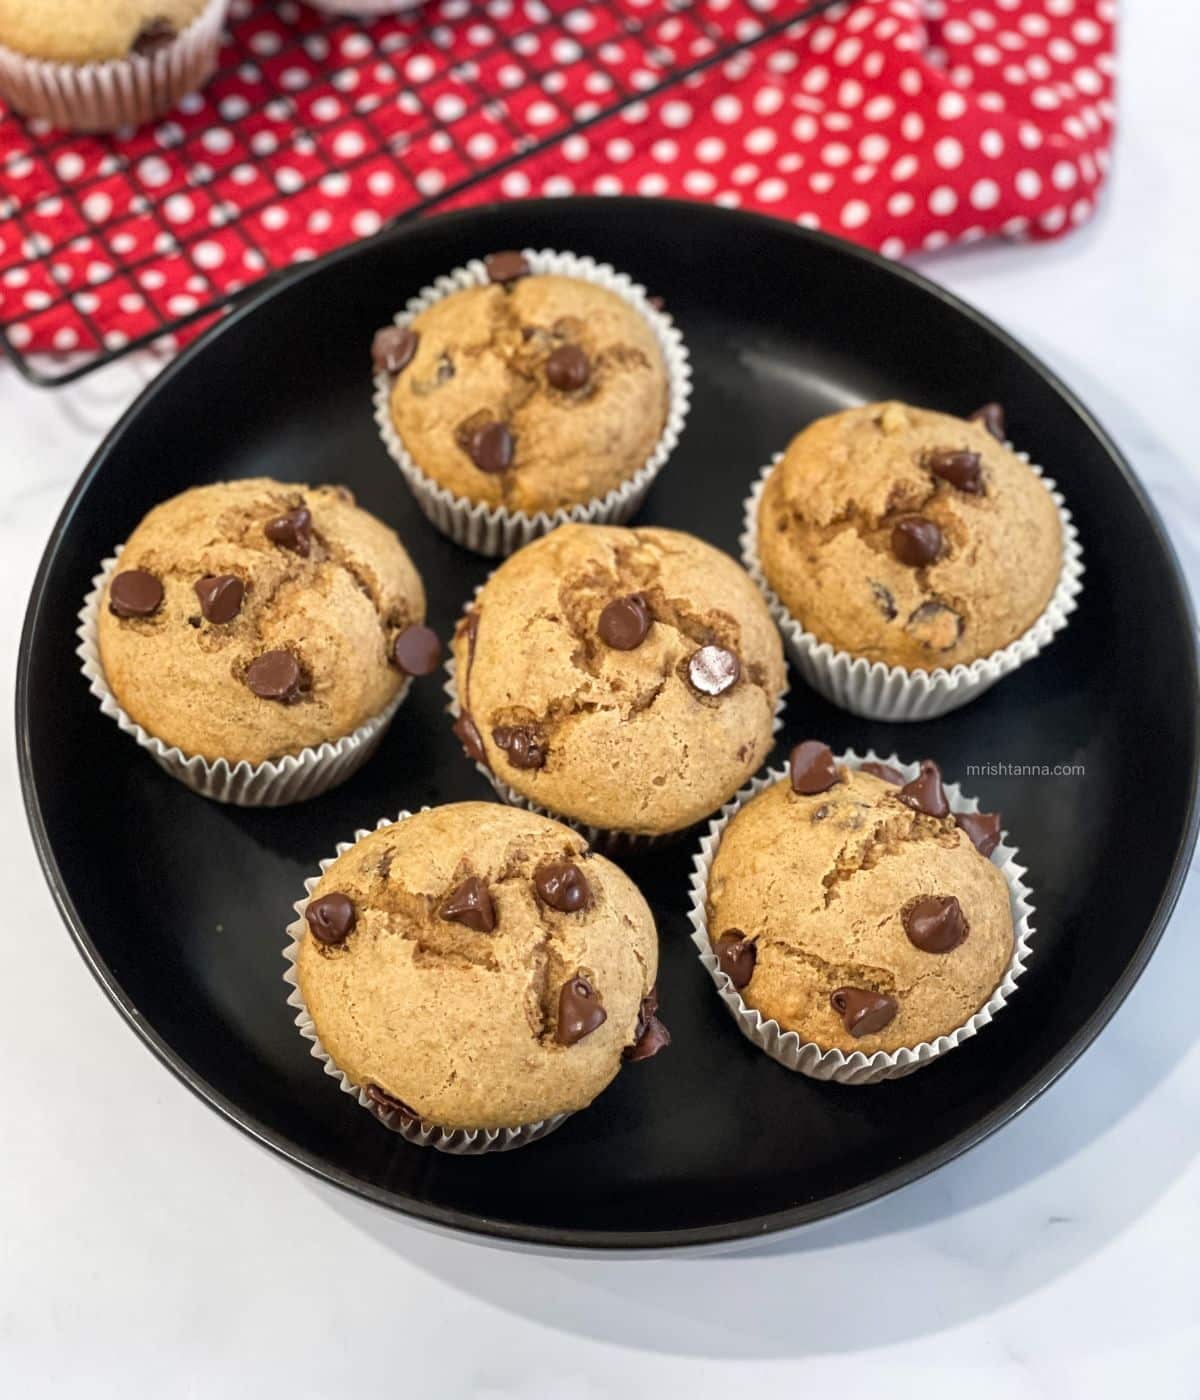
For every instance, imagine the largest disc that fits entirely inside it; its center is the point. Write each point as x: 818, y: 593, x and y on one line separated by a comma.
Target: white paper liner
x: 875, y: 690
x: 805, y: 1057
x: 459, y: 1141
x: 493, y: 530
x: 120, y: 91
x: 610, y: 842
x: 273, y: 783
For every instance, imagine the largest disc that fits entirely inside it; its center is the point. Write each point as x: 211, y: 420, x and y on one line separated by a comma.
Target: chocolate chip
x: 390, y: 1104
x: 916, y: 541
x: 506, y: 267
x: 624, y: 622
x: 650, y: 1035
x: 491, y: 448
x: 935, y: 625
x: 469, y: 904
x: 579, y: 1011
x: 275, y: 675
x: 884, y: 771
x: 982, y: 827
x: 883, y: 599
x: 568, y: 368
x: 863, y: 1012
x: 821, y: 813
x: 469, y: 737
x: 713, y: 670
x: 393, y: 348
x: 417, y: 650
x: 736, y: 956
x: 331, y: 918
x: 812, y: 767
x: 563, y: 886
x: 220, y: 596
x: 293, y: 531
x: 154, y: 35
x: 134, y: 593
x: 960, y: 468
x: 991, y: 415
x: 936, y: 924
x: 523, y: 745
x: 925, y: 793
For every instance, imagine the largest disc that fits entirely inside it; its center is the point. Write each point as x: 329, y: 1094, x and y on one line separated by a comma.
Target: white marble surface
x: 146, y: 1249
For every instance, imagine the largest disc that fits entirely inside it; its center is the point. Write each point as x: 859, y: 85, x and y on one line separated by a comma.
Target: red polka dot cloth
x: 898, y: 124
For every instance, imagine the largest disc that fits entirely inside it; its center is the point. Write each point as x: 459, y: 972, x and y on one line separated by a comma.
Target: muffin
x: 93, y: 65
x: 627, y: 680
x: 858, y: 909
x: 475, y: 969
x: 251, y: 620
x: 541, y: 388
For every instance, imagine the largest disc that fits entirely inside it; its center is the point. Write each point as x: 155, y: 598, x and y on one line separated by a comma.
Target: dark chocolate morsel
x: 568, y: 368
x: 579, y: 1011
x: 417, y: 650
x: 812, y: 767
x: 220, y: 596
x: 713, y: 670
x: 736, y: 956
x: 961, y: 469
x: 506, y: 267
x: 991, y: 415
x: 491, y: 448
x: 331, y: 918
x: 916, y: 541
x: 563, y: 886
x: 625, y: 622
x: 292, y: 530
x: 390, y: 1104
x: 863, y: 1012
x: 884, y: 771
x: 935, y: 625
x: 469, y: 737
x: 393, y: 348
x: 524, y: 746
x: 935, y: 924
x: 275, y: 675
x: 884, y: 600
x: 134, y: 593
x: 650, y: 1035
x: 983, y: 828
x: 925, y: 793
x: 469, y: 904
x: 154, y: 35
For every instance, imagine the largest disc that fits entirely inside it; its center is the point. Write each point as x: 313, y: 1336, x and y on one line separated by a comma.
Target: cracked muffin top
x: 89, y: 31
x: 855, y: 910
x: 626, y: 679
x: 908, y: 536
x: 477, y: 967
x: 251, y: 619
x: 531, y: 393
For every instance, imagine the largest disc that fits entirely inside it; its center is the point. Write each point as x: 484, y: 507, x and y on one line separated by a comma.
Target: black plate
x: 179, y: 904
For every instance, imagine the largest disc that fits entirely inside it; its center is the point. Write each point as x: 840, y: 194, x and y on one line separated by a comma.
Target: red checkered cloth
x: 899, y: 124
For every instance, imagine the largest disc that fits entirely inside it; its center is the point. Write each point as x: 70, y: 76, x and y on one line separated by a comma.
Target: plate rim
x: 569, y: 1240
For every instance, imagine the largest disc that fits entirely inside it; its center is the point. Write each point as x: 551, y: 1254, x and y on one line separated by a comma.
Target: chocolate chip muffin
x: 531, y: 392
x: 90, y: 31
x: 251, y: 619
x: 476, y: 967
x: 909, y: 537
x: 853, y: 908
x: 625, y: 679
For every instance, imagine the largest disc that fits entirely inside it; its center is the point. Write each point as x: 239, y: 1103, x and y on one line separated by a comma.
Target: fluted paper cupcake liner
x: 494, y: 530
x: 804, y: 1056
x: 119, y: 91
x: 459, y: 1141
x: 273, y: 783
x: 875, y: 690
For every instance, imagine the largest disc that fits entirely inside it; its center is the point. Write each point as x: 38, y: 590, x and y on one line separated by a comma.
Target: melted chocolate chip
x: 863, y: 1012
x: 991, y: 415
x: 469, y: 904
x: 983, y: 828
x: 916, y: 541
x: 884, y: 771
x: 469, y: 737
x: 154, y: 35
x: 393, y: 348
x: 936, y: 924
x: 491, y: 448
x: 935, y: 625
x: 293, y: 531
x: 220, y: 596
x: 275, y: 675
x: 884, y: 600
x: 812, y: 767
x: 524, y: 746
x: 736, y: 956
x: 925, y: 793
x: 579, y: 1011
x: 390, y: 1104
x: 625, y: 622
x: 417, y: 650
x: 568, y: 368
x: 650, y: 1035
x: 331, y: 918
x: 506, y: 267
x: 713, y: 670
x: 563, y: 886
x: 962, y: 470
x: 134, y: 593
